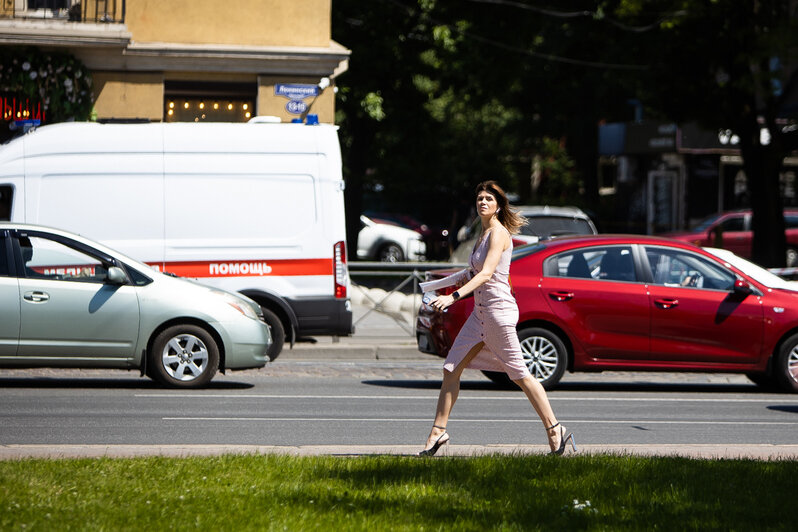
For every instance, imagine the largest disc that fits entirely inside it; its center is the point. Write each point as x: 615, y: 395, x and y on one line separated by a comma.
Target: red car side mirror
x: 742, y: 287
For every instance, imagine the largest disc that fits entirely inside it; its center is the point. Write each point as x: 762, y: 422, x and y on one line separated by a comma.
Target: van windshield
x: 6, y: 195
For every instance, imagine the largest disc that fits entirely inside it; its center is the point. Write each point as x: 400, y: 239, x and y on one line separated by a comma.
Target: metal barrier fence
x: 405, y: 273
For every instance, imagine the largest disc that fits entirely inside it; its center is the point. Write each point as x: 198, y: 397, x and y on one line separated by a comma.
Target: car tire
x: 544, y: 354
x: 391, y: 252
x: 183, y: 356
x: 277, y: 330
x: 785, y: 365
x: 763, y: 380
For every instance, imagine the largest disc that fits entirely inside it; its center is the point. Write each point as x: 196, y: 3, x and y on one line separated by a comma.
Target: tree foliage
x: 441, y: 95
x: 57, y: 80
x: 731, y: 64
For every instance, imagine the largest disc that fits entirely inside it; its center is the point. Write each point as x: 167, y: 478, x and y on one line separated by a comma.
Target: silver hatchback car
x: 66, y: 301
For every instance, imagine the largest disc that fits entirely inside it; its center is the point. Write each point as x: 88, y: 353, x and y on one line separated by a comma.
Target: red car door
x: 696, y: 317
x: 736, y: 234
x: 595, y: 293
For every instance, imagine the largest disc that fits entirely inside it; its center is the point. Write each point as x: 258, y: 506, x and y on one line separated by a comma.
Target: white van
x: 256, y: 208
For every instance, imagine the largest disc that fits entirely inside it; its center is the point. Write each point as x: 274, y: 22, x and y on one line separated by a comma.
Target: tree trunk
x: 762, y: 166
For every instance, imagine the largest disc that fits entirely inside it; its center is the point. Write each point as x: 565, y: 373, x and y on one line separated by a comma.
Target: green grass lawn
x: 274, y: 492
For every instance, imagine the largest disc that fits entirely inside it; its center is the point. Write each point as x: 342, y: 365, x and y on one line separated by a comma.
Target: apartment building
x: 190, y: 60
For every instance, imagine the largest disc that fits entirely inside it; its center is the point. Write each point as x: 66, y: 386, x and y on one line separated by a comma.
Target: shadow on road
x: 792, y: 409
x: 106, y: 383
x: 433, y: 384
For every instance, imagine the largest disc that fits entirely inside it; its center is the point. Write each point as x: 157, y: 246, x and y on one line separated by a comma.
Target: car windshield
x: 704, y: 224
x: 548, y: 226
x: 759, y: 274
x: 522, y: 251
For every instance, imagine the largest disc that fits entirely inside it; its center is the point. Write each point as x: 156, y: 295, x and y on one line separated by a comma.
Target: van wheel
x: 277, y: 331
x: 183, y: 356
x: 785, y: 366
x: 391, y: 253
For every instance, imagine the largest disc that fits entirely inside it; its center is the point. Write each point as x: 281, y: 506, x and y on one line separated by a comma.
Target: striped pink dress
x: 493, y: 321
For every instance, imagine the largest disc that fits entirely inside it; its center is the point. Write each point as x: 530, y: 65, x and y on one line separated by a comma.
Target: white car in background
x: 386, y: 242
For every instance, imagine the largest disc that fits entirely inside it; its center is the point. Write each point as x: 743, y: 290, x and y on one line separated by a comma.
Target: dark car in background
x: 732, y: 230
x: 618, y: 302
x: 543, y: 222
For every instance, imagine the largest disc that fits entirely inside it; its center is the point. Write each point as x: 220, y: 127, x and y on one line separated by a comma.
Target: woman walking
x: 489, y: 338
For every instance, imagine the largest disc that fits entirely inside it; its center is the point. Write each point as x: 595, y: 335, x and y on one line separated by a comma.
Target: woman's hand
x: 441, y: 303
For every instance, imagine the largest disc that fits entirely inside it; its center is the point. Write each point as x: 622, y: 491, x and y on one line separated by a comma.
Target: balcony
x: 92, y: 11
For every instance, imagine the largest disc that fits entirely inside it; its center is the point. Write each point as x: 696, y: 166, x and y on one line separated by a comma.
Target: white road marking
x: 519, y: 397
x: 426, y: 420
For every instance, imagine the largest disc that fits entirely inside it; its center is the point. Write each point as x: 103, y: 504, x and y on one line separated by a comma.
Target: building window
x: 209, y: 101
x: 48, y: 4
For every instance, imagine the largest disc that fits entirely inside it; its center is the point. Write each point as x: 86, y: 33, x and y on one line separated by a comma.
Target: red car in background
x: 732, y: 230
x: 605, y: 302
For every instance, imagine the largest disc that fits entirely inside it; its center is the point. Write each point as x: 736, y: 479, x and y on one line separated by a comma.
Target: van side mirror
x: 742, y: 287
x: 115, y: 275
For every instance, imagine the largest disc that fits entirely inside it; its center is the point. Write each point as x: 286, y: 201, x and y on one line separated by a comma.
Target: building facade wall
x: 233, y: 22
x: 145, y: 55
x: 128, y: 95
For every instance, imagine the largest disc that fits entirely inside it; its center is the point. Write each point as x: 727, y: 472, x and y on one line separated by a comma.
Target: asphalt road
x: 375, y: 393
x: 355, y: 406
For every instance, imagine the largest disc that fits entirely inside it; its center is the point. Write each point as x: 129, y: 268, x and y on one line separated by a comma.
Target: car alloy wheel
x: 544, y: 354
x: 184, y: 356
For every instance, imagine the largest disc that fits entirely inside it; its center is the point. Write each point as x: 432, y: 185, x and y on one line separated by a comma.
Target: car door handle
x: 561, y: 296
x: 36, y: 297
x: 666, y: 303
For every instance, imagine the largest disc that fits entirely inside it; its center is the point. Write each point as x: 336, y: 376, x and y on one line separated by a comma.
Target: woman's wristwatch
x: 455, y: 295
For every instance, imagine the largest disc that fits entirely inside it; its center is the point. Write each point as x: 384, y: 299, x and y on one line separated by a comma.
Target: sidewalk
x: 754, y: 452
x: 377, y: 337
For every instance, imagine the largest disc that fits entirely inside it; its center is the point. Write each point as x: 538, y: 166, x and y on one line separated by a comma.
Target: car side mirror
x: 742, y: 287
x: 116, y: 275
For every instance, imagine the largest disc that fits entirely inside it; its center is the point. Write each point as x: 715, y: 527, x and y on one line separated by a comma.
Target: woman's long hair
x: 509, y: 218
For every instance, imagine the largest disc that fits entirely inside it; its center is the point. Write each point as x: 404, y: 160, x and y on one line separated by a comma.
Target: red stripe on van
x: 247, y: 268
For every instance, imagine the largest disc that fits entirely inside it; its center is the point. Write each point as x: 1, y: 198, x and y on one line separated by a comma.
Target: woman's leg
x: 450, y: 389
x: 540, y: 402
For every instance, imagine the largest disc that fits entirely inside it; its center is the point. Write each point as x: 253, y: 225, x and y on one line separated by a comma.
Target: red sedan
x: 732, y: 230
x: 609, y: 302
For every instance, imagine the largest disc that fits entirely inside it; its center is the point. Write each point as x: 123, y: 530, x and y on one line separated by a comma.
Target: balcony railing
x: 99, y: 11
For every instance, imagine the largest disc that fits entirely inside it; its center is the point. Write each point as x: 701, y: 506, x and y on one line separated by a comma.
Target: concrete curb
x: 356, y: 352
x: 709, y: 451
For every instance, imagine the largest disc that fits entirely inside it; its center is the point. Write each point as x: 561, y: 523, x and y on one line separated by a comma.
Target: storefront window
x: 209, y: 102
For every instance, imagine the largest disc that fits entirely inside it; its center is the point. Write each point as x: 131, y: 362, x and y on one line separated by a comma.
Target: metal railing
x: 99, y: 11
x: 406, y: 273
